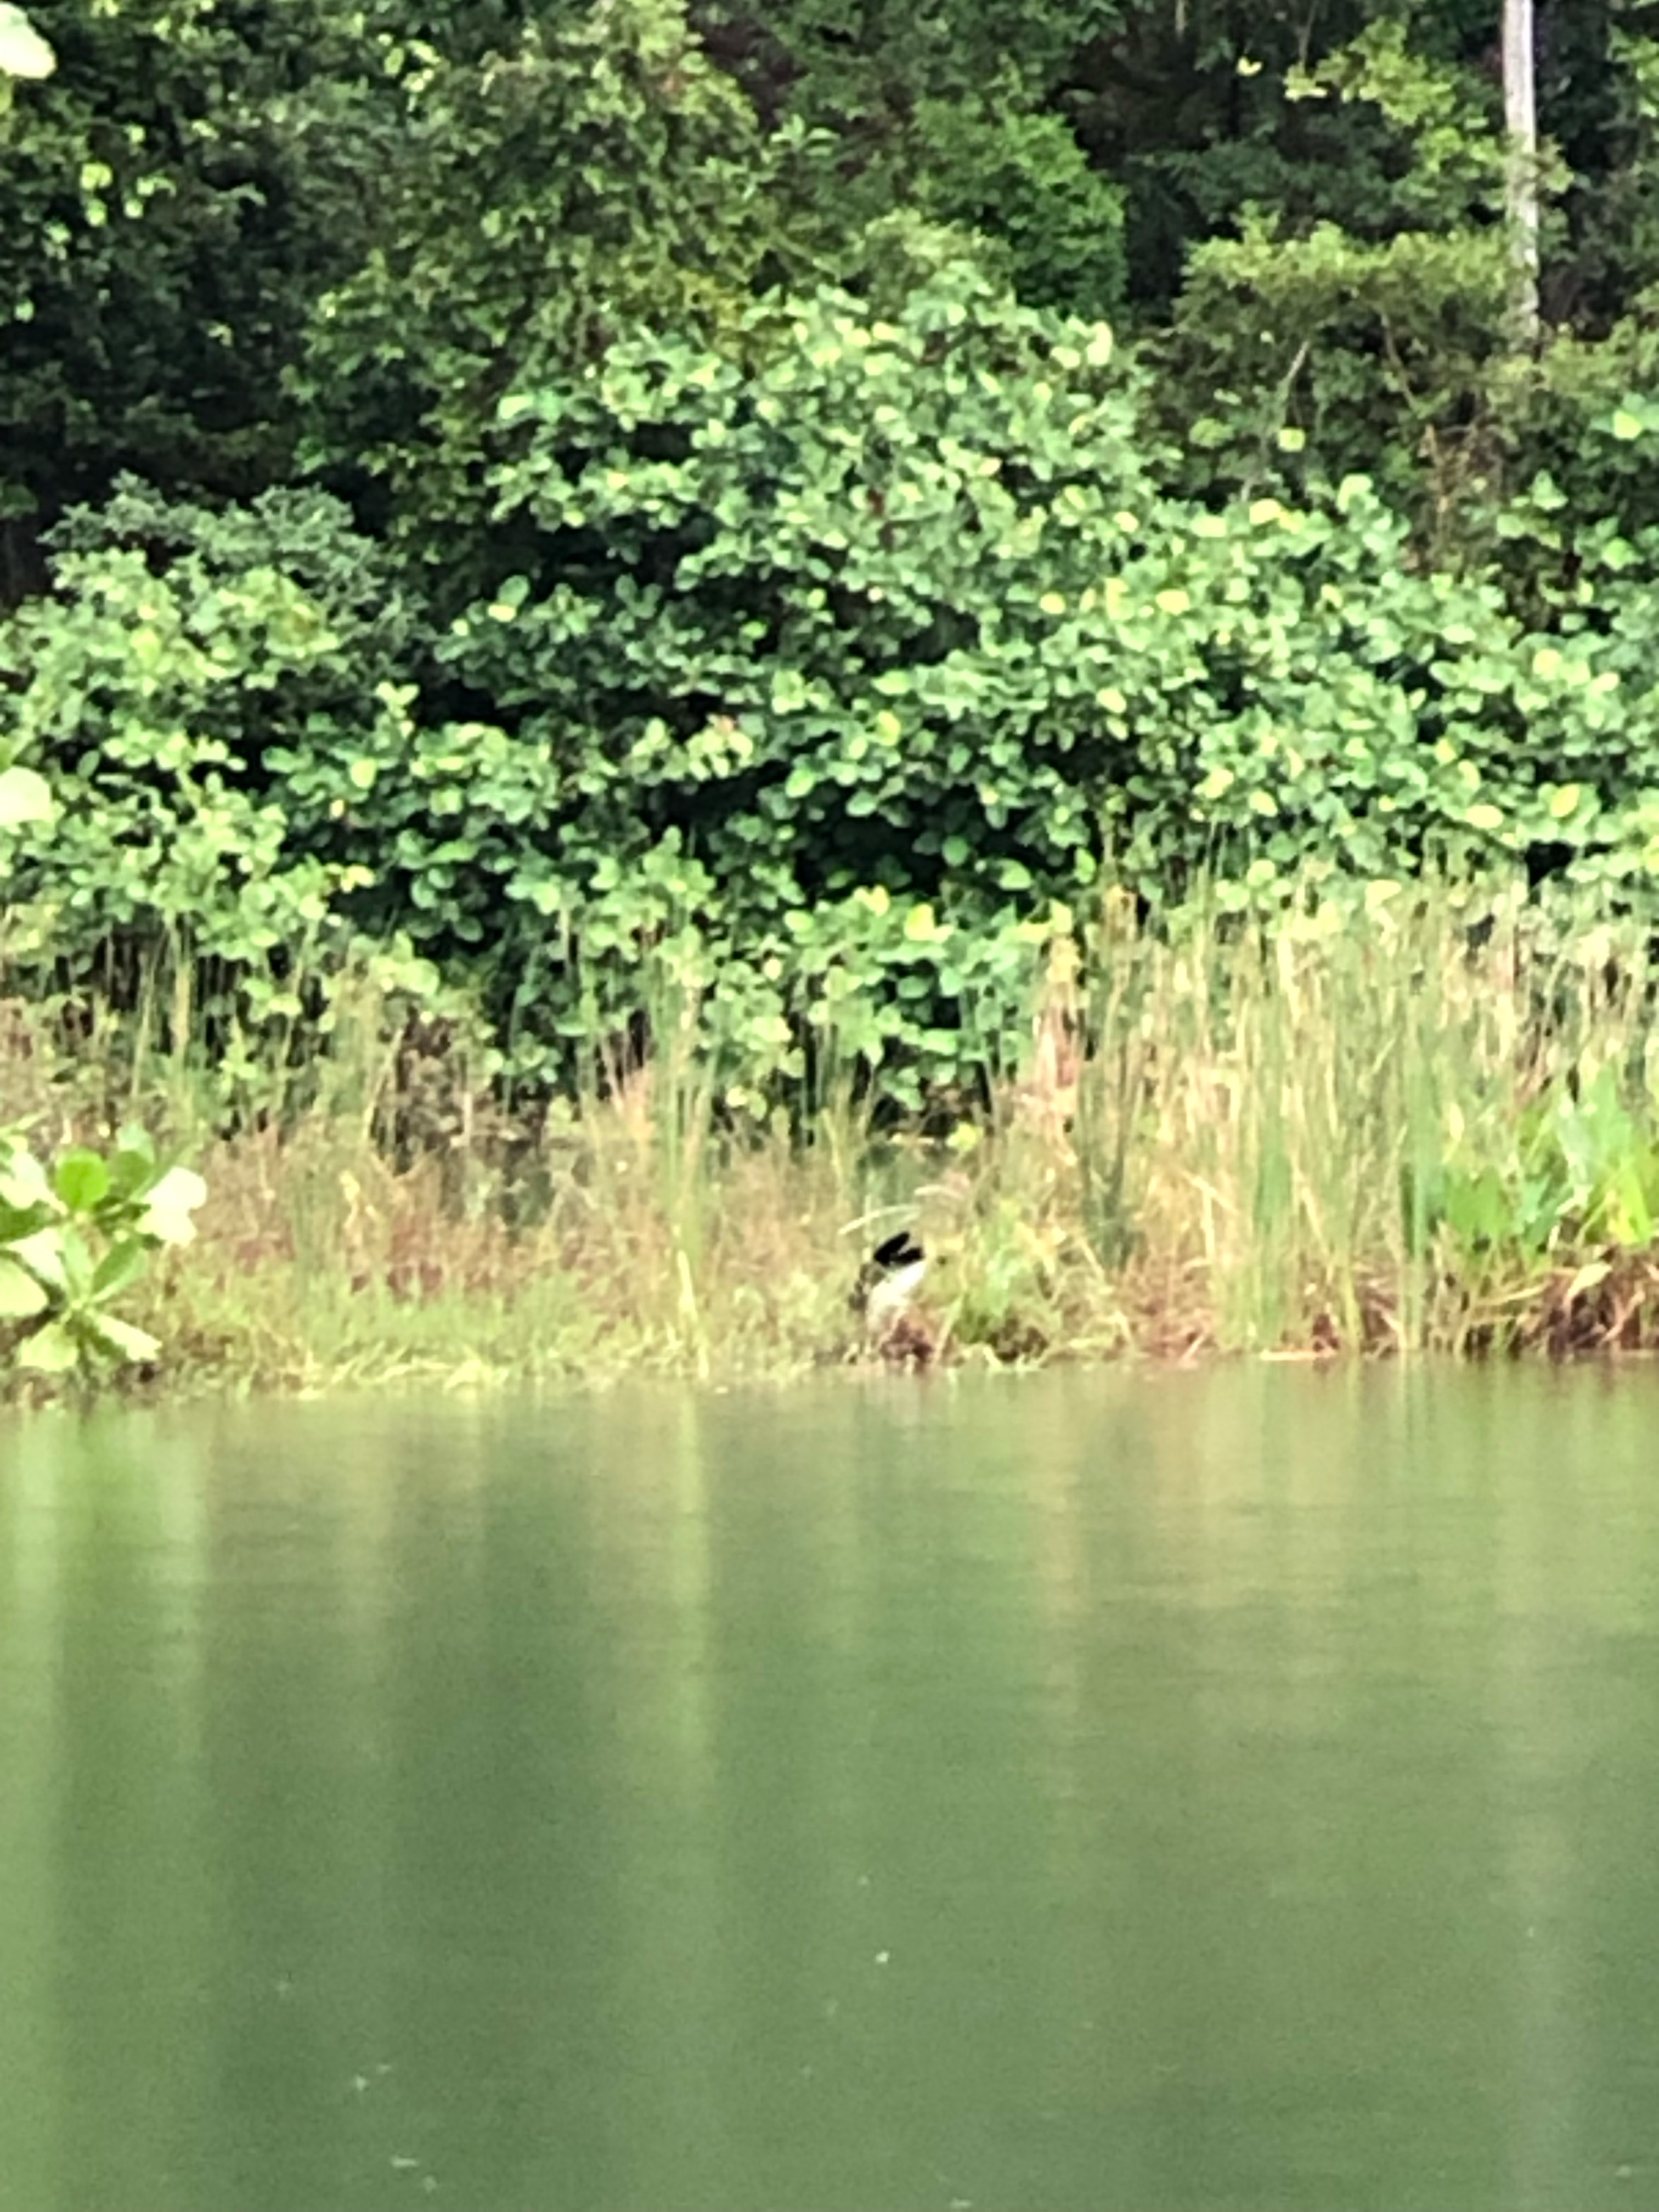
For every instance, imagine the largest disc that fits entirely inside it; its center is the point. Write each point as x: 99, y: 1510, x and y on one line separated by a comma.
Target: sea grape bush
x: 817, y: 676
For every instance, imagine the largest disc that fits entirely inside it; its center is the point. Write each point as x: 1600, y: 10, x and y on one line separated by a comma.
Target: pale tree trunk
x: 1521, y: 121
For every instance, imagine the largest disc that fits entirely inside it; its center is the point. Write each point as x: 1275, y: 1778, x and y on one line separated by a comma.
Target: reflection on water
x: 1179, y: 1792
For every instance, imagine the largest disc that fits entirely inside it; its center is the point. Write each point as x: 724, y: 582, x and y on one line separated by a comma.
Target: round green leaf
x: 23, y: 51
x: 42, y: 1253
x: 81, y: 1180
x: 24, y: 796
x: 120, y: 1268
x: 121, y: 1338
x: 20, y: 1296
x: 23, y: 1180
x: 168, y: 1208
x: 50, y: 1351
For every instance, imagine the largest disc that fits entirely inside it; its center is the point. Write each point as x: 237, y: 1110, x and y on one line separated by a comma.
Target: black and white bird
x: 888, y: 1280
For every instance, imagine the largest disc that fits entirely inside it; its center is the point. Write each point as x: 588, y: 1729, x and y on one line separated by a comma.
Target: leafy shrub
x: 818, y: 680
x: 74, y: 1239
x: 178, y: 647
x: 585, y: 169
x: 172, y: 198
x: 1019, y: 178
x: 1385, y: 340
x: 815, y: 679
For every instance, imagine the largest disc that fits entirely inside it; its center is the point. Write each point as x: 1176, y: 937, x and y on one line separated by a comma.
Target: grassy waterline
x: 1432, y: 1124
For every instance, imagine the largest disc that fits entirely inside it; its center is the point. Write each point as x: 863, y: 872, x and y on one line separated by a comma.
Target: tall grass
x: 1349, y: 1129
x: 1430, y: 1121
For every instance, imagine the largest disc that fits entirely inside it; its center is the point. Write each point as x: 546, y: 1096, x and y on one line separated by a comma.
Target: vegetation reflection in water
x: 1200, y: 1791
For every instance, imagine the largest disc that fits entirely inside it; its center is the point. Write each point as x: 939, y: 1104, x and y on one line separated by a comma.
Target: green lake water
x: 1222, y: 1792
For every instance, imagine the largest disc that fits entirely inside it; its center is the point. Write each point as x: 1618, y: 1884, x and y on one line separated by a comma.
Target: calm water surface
x: 1221, y: 1793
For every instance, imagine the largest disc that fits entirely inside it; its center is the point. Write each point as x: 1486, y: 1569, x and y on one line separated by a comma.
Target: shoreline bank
x: 1418, y: 1129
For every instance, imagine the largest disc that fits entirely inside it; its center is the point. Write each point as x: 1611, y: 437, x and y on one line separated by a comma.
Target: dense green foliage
x: 587, y: 511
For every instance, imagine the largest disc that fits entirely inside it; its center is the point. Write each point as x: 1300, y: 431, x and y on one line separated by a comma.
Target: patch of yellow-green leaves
x: 74, y: 1236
